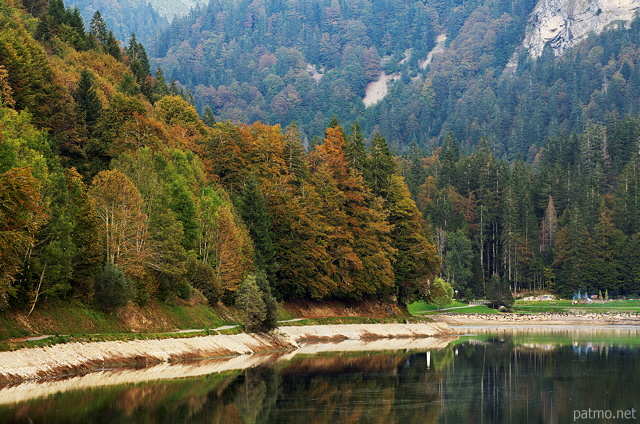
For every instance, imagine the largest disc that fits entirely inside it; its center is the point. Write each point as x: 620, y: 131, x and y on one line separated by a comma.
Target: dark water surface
x: 530, y: 377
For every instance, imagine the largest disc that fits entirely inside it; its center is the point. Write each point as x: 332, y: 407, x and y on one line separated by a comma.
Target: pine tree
x: 249, y: 299
x: 208, y: 118
x: 87, y: 99
x: 449, y: 157
x: 549, y: 226
x: 253, y: 210
x: 604, y: 269
x: 98, y: 28
x: 294, y: 153
x: 382, y: 167
x: 138, y: 62
x: 355, y: 150
x: 112, y: 47
x: 270, y: 321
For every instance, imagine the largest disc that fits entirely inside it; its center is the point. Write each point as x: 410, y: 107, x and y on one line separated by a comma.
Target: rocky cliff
x: 564, y: 23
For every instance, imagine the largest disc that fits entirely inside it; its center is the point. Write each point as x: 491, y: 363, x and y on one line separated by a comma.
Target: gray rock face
x: 564, y: 23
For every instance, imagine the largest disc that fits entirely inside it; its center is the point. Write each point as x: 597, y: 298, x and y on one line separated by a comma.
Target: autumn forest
x: 116, y: 189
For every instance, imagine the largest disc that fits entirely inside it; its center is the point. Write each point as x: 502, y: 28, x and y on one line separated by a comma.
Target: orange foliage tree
x: 21, y: 214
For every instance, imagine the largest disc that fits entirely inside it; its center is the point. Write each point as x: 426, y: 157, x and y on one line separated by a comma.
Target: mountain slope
x: 250, y: 61
x: 125, y: 17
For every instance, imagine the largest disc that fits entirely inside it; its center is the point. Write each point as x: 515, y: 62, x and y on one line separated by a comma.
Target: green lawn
x: 421, y: 307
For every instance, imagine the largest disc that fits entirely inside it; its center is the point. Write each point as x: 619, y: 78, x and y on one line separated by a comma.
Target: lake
x: 533, y: 376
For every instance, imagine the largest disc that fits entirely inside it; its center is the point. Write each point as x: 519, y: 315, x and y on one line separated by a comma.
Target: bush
x: 112, y: 288
x: 203, y: 278
x: 440, y: 293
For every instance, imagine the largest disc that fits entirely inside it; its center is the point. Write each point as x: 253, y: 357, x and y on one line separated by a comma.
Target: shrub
x: 112, y: 288
x: 440, y: 293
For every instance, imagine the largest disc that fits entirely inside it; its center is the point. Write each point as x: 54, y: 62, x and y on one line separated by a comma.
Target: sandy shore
x: 72, y: 358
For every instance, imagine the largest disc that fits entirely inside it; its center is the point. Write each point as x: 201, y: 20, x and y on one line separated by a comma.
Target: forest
x: 114, y: 189
x: 568, y: 223
x: 276, y: 61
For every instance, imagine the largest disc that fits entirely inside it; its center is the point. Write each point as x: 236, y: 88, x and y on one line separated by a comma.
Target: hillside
x: 115, y: 191
x: 491, y: 78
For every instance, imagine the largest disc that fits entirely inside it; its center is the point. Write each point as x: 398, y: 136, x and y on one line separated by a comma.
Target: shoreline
x: 69, y: 359
x: 563, y: 320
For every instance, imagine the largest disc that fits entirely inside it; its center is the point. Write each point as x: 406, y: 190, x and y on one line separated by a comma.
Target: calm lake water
x: 523, y: 377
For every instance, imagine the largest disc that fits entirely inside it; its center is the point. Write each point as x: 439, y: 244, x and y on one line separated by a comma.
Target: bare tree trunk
x: 35, y: 299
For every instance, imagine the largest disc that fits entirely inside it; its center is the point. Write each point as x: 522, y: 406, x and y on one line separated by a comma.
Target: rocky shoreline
x: 547, y: 319
x: 73, y: 358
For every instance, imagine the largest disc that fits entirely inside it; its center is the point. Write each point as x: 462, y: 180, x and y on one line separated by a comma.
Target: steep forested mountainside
x: 278, y: 61
x: 308, y: 61
x: 125, y: 17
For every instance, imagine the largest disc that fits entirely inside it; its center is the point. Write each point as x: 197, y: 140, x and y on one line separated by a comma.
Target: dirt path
x: 191, y: 330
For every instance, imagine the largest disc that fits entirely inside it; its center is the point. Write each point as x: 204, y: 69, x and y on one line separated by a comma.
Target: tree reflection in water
x: 490, y: 379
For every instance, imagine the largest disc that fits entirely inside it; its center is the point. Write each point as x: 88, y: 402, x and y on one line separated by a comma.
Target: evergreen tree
x: 458, y: 261
x: 208, y: 118
x: 112, y: 47
x: 449, y: 157
x: 98, y: 28
x: 87, y: 100
x: 605, y: 270
x: 250, y: 300
x: 294, y: 153
x: 355, y: 150
x: 270, y: 321
x: 382, y: 167
x: 498, y: 293
x: 549, y: 226
x: 112, y: 288
x: 253, y: 210
x: 139, y: 65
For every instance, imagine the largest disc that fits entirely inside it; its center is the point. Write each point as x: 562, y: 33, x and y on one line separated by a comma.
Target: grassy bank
x: 75, y: 321
x: 421, y: 308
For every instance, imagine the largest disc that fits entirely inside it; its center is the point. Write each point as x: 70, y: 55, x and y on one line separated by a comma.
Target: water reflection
x: 492, y: 377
